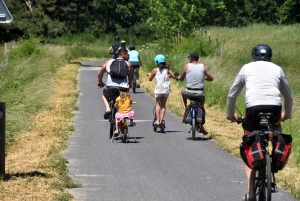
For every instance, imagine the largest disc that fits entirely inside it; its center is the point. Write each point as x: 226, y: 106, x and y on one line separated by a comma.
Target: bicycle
x: 134, y: 83
x: 264, y: 180
x: 161, y: 126
x: 192, y: 117
x: 123, y: 130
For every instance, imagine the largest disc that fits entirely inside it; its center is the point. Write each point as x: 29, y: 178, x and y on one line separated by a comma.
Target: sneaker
x: 107, y: 114
x: 203, y: 130
x: 138, y: 86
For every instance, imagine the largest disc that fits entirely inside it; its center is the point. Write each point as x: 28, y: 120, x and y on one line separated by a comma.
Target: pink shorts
x: 120, y: 116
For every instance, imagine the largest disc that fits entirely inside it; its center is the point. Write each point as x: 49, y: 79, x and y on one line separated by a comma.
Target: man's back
x: 195, y: 76
x: 115, y: 47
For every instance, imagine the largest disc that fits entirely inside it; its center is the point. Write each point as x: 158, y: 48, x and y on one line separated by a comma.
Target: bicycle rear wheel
x: 194, y: 128
x: 124, y: 137
x: 134, y: 84
x: 264, y: 181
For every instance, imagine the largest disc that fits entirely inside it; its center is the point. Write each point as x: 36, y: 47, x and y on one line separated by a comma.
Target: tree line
x: 162, y: 18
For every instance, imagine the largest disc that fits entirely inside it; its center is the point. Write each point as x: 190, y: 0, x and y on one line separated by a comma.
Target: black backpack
x: 118, y: 69
x: 115, y: 47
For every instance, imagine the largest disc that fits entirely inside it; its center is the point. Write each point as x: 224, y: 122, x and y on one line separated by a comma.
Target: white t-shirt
x: 264, y: 83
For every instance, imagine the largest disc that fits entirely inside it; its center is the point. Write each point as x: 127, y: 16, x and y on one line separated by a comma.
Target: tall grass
x: 27, y: 86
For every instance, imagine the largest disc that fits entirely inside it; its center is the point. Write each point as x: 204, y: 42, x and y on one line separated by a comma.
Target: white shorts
x: 161, y: 95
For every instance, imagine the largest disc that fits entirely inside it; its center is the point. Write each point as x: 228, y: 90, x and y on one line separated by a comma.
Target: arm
x: 183, y: 74
x: 208, y: 75
x: 110, y: 49
x: 171, y: 74
x: 101, y: 73
x: 287, y: 95
x: 152, y: 74
x: 234, y: 91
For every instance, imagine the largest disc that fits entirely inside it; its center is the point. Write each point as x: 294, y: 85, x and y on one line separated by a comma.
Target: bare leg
x: 183, y: 102
x: 117, y: 127
x: 137, y: 74
x: 158, y: 109
x: 163, y: 107
x: 105, y: 103
x: 251, y: 179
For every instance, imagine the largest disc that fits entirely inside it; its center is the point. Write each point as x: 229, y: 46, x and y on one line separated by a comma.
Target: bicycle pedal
x: 274, y: 188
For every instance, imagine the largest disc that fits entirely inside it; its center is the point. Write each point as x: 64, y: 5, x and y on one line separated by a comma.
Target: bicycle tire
x: 134, y: 84
x: 269, y: 178
x: 194, y: 128
x: 124, y: 137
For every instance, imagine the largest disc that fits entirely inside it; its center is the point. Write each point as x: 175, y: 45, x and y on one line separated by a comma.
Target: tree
x: 171, y: 17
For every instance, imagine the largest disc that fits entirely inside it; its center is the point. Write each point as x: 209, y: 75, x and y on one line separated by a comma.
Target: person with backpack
x: 135, y: 60
x: 195, y: 73
x: 113, y: 49
x: 264, y: 82
x: 123, y: 46
x: 119, y: 71
x: 162, y: 88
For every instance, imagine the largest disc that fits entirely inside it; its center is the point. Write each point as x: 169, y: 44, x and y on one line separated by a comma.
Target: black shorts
x: 251, y: 122
x: 135, y: 64
x: 110, y: 92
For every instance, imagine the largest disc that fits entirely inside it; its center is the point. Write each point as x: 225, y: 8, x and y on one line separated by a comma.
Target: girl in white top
x: 162, y: 87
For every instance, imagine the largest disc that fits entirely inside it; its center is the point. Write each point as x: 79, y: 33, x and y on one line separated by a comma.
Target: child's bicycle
x: 161, y: 126
x: 123, y: 131
x: 265, y: 179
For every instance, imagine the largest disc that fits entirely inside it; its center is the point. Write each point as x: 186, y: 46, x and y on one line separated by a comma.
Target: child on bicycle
x: 162, y: 88
x: 123, y: 103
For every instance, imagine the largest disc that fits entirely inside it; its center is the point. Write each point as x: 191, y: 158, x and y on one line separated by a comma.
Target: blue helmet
x: 159, y: 59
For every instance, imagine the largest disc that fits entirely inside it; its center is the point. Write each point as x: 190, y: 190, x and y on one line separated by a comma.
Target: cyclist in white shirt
x: 264, y: 82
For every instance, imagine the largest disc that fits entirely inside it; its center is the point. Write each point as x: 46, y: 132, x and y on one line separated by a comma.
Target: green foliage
x: 288, y: 13
x: 27, y: 47
x: 173, y: 17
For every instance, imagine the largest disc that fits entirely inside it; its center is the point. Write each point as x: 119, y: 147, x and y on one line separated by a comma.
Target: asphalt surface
x: 158, y: 167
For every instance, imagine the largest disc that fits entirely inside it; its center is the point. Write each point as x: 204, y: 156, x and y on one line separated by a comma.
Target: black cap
x: 194, y: 55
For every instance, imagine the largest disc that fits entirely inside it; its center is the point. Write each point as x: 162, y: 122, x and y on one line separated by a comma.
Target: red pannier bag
x: 251, y: 150
x: 282, y: 146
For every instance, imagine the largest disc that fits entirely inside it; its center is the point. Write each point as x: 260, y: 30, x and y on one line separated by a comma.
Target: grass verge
x: 35, y: 169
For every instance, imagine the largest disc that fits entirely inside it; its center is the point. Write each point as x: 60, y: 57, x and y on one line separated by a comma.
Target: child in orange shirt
x: 123, y: 102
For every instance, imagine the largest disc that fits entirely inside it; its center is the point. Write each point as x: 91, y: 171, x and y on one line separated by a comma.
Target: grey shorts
x: 110, y: 92
x: 194, y: 96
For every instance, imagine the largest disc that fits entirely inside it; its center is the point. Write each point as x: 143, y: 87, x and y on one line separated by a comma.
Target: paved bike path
x: 160, y: 166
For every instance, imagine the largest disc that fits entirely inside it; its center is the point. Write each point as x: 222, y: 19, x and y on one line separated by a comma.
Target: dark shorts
x: 110, y: 92
x: 192, y: 96
x: 251, y: 122
x: 135, y: 64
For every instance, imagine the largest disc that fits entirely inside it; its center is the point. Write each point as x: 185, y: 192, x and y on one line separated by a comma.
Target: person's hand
x: 148, y: 74
x: 283, y: 118
x: 101, y: 84
x: 234, y: 118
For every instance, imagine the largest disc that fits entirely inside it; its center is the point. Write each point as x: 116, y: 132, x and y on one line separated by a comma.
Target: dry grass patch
x: 33, y: 169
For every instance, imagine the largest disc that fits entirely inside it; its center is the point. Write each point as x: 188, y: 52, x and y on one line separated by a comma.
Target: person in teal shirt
x: 135, y: 60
